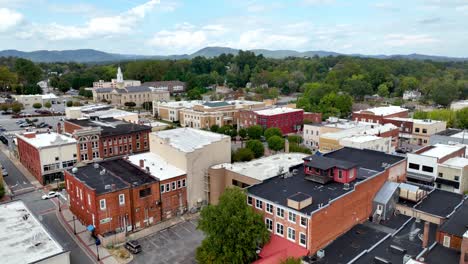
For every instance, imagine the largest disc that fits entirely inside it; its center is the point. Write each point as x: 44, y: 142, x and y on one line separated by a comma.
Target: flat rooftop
x: 458, y: 162
x: 23, y: 239
x: 158, y: 167
x: 439, y: 150
x: 416, y: 121
x: 189, y: 139
x: 365, y: 130
x: 265, y: 168
x: 181, y: 104
x: 365, y: 158
x: 111, y: 113
x: 457, y: 223
x: 449, y: 132
x: 439, y: 203
x: 361, y: 138
x: 110, y: 126
x: 384, y: 110
x: 49, y: 139
x: 277, y: 111
x: 441, y: 254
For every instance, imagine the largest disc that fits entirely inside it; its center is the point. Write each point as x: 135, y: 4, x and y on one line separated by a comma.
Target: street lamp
x: 98, y: 242
x: 74, y: 227
x: 58, y: 196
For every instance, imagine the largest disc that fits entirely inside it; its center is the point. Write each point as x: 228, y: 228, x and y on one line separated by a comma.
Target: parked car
x: 133, y: 246
x: 24, y: 125
x: 20, y: 121
x: 49, y: 195
x: 2, y: 129
x: 4, y: 172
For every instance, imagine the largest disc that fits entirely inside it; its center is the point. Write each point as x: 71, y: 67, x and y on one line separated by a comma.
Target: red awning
x: 279, y: 249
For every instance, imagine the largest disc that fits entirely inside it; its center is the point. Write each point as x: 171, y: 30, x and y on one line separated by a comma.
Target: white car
x: 49, y: 195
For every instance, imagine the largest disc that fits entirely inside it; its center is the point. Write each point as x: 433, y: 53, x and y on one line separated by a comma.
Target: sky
x: 163, y: 27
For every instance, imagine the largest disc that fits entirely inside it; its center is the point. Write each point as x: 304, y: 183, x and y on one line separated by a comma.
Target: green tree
x: 7, y: 78
x: 272, y: 131
x: 147, y: 105
x: 47, y: 105
x: 243, y: 154
x: 255, y: 132
x: 85, y: 93
x: 69, y: 103
x: 295, y: 139
x: 382, y: 90
x: 37, y: 105
x: 28, y: 72
x: 226, y: 130
x: 256, y: 146
x: 276, y: 143
x: 233, y: 230
x: 16, y: 107
x: 214, y: 128
x: 293, y: 147
x: 4, y: 107
x: 130, y: 104
x: 462, y: 118
x: 243, y: 133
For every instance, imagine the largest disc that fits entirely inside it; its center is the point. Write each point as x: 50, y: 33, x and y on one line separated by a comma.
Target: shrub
x: 37, y: 105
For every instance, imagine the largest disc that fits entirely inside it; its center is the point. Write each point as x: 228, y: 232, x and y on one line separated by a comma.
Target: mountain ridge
x: 92, y: 55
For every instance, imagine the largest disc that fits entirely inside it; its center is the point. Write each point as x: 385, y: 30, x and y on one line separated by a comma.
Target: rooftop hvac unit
x: 379, y: 260
x: 75, y: 170
x: 346, y: 186
x: 321, y: 253
x: 407, y: 258
x: 96, y: 166
x: 102, y: 172
x: 107, y: 187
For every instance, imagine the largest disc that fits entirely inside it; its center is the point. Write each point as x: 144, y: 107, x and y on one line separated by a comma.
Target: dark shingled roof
x: 137, y: 89
x: 325, y: 163
x: 366, y: 158
x: 439, y: 203
x: 441, y: 254
x: 104, y: 90
x: 117, y: 171
x: 457, y: 224
x: 110, y: 126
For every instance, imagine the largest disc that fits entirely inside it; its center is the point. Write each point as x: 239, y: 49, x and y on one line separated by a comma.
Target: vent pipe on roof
x: 142, y: 163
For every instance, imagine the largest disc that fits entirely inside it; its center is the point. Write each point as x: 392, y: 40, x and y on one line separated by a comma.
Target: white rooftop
x: 155, y: 124
x: 180, y: 104
x: 360, y: 130
x: 22, y: 238
x: 277, y: 111
x: 115, y: 113
x: 48, y: 139
x: 463, y: 134
x: 416, y: 121
x: 265, y: 168
x: 189, y: 139
x: 457, y: 162
x: 440, y: 150
x: 49, y: 96
x: 242, y: 103
x: 384, y: 110
x: 361, y: 138
x: 158, y: 167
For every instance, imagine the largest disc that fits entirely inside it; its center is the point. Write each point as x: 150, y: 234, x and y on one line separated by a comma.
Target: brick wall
x: 30, y: 158
x: 70, y: 127
x: 176, y: 198
x: 370, y: 117
x: 455, y: 241
x: 315, y: 118
x: 285, y: 121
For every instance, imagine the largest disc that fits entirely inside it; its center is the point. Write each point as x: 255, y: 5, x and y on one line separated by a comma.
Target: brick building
x: 102, y: 138
x: 315, y: 118
x: 378, y: 114
x: 46, y: 155
x: 314, y: 203
x: 289, y: 120
x: 118, y: 196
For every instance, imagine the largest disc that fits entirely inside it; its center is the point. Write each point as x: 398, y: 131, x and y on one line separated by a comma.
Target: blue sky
x: 434, y: 27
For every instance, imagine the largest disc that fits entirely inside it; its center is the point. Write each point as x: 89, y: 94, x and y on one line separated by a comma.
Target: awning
x: 454, y: 184
x: 279, y: 249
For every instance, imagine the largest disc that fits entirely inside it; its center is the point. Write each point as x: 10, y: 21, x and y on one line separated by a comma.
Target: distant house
x: 412, y: 95
x: 173, y: 87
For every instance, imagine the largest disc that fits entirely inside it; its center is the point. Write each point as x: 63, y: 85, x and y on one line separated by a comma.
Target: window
x: 340, y: 174
x: 138, y: 145
x: 56, y: 158
x: 456, y: 178
x: 280, y: 212
x: 168, y: 187
x: 441, y: 175
x: 269, y: 208
x: 269, y: 224
x: 424, y: 131
x: 427, y: 169
x: 105, y: 152
x: 179, y: 184
x: 446, y: 242
x: 413, y: 166
x: 279, y: 229
x: 162, y: 188
x: 291, y: 234
x: 145, y: 192
x: 249, y: 200
x: 258, y: 204
x: 292, y: 217
x: 183, y: 183
x: 81, y: 194
x: 174, y: 185
x: 102, y: 204
x: 302, y: 239
x: 83, y: 146
x: 94, y: 144
x: 303, y: 221
x: 416, y: 130
x: 95, y: 154
x: 121, y: 199
x: 84, y: 156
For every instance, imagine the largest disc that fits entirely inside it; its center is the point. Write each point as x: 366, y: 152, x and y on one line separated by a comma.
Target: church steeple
x: 119, y: 76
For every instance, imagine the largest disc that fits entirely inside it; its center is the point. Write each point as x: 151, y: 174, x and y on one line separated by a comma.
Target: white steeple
x: 119, y: 75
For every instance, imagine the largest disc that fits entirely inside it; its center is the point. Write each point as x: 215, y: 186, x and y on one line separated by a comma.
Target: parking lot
x: 176, y: 244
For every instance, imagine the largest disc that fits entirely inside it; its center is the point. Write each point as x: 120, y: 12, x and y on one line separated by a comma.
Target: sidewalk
x: 21, y: 168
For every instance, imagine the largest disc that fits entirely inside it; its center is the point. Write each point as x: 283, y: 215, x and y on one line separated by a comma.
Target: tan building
x: 423, y: 129
x: 193, y: 151
x: 170, y: 111
x: 77, y: 112
x: 453, y: 175
x: 245, y: 174
x: 136, y: 94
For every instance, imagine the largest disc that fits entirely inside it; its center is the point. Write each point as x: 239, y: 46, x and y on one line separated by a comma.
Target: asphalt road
x: 44, y: 210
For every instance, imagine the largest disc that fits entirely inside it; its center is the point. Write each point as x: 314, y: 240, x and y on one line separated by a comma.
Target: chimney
x: 142, y: 163
x: 464, y: 249
x: 59, y: 128
x: 425, y: 240
x: 286, y: 146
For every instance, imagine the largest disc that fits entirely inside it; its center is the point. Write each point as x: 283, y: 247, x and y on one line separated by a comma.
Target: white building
x: 28, y: 100
x: 458, y: 105
x: 372, y: 142
x: 412, y: 95
x: 119, y: 82
x: 23, y: 239
x: 193, y: 151
x: 452, y: 175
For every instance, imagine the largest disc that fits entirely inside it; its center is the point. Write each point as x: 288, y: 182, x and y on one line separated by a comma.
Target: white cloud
x: 104, y: 26
x: 261, y: 38
x: 318, y: 2
x: 9, y: 19
x: 179, y: 40
x: 84, y: 8
x: 400, y: 40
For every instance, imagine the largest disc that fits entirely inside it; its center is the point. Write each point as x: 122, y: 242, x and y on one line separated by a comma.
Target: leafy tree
x: 37, y: 105
x: 16, y: 107
x: 255, y: 132
x: 226, y: 130
x: 28, y: 72
x: 272, y: 131
x: 214, y: 128
x: 256, y: 146
x: 445, y: 92
x: 85, y: 93
x: 276, y: 143
x: 147, y: 105
x: 462, y: 118
x: 243, y: 154
x: 7, y: 78
x: 296, y: 139
x: 130, y: 104
x: 291, y: 260
x: 243, y: 133
x: 75, y: 103
x: 233, y: 230
x: 69, y: 103
x: 383, y: 90
x: 47, y: 105
x: 4, y: 107
x: 294, y: 147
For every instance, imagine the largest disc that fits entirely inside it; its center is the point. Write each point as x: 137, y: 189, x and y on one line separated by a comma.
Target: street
x: 44, y: 210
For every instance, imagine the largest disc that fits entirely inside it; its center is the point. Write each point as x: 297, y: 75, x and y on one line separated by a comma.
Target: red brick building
x: 378, y: 114
x: 118, y: 196
x: 315, y: 118
x: 318, y: 201
x: 289, y: 120
x: 107, y: 137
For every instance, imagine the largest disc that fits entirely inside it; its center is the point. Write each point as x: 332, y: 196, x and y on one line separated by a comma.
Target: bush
x: 214, y: 128
x: 243, y: 154
x: 76, y: 103
x: 295, y: 139
x: 243, y: 133
x: 69, y: 103
x: 255, y: 132
x: 48, y: 105
x: 85, y: 93
x: 256, y: 146
x: 130, y: 104
x: 37, y: 105
x: 275, y: 143
x: 297, y: 148
x: 272, y: 131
